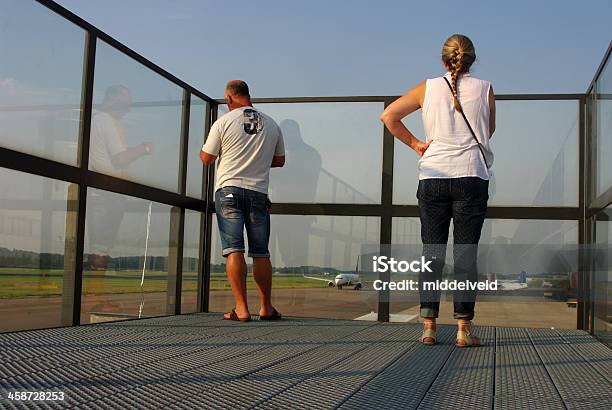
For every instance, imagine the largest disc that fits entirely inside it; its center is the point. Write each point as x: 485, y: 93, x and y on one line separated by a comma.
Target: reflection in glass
x: 196, y: 140
x: 525, y: 245
x: 135, y: 129
x: 333, y: 150
x: 125, y: 265
x: 307, y: 253
x: 40, y: 81
x: 536, y: 156
x: 191, y: 252
x: 32, y: 241
x: 604, y: 129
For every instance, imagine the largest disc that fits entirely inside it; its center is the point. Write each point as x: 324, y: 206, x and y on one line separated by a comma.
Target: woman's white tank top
x: 453, y: 152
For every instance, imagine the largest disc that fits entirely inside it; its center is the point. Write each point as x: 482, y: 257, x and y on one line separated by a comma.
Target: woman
x: 454, y: 171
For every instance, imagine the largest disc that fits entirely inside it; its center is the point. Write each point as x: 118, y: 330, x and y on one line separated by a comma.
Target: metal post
x: 581, y: 213
x: 386, y: 220
x: 591, y: 179
x: 184, y: 148
x: 206, y: 221
x: 70, y: 256
x: 177, y: 220
x: 77, y: 198
x: 175, y: 261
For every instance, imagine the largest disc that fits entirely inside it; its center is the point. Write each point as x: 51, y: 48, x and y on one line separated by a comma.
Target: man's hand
x: 420, y: 147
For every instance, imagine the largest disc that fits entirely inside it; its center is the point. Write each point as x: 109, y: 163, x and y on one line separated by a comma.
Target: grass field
x: 27, y: 282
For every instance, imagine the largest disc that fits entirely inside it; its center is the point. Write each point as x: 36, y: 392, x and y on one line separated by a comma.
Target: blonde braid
x: 458, y: 54
x: 456, y: 68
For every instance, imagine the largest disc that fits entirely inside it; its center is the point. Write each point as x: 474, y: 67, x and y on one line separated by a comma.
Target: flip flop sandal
x: 274, y: 316
x: 428, y: 334
x: 234, y: 316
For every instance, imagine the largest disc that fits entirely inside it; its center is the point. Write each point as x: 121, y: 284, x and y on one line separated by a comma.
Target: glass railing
x: 536, y: 143
x: 103, y: 200
x: 102, y: 187
x: 599, y: 198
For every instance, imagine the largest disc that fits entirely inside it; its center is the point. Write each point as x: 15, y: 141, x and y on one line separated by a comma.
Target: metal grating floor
x: 201, y: 361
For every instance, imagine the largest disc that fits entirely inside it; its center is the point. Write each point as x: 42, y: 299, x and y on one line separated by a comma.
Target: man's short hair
x: 238, y: 88
x: 115, y: 91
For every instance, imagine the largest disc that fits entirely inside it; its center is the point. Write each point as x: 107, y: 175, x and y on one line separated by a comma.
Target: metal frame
x: 594, y: 207
x: 385, y: 210
x: 84, y: 179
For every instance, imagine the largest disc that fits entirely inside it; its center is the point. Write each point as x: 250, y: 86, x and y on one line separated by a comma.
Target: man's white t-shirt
x: 245, y: 141
x: 107, y: 140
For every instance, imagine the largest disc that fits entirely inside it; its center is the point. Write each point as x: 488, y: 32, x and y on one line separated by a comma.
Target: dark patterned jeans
x: 465, y: 201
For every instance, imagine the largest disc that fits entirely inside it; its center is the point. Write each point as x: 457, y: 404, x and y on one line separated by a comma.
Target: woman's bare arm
x: 400, y: 108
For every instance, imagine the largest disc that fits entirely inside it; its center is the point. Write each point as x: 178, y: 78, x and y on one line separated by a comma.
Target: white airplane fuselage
x: 346, y: 279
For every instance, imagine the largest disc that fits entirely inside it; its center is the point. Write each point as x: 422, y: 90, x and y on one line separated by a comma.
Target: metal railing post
x: 206, y: 221
x: 386, y: 219
x: 77, y: 198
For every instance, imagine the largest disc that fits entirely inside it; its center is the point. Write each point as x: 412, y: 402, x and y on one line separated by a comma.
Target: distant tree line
x: 15, y: 258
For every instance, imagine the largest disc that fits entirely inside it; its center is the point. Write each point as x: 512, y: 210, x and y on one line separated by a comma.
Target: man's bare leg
x: 262, y: 272
x: 236, y: 275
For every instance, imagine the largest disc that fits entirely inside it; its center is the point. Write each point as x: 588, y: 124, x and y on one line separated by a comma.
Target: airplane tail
x: 523, y: 277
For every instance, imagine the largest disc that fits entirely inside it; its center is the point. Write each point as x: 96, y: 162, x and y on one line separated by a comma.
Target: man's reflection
x: 298, y: 183
x: 109, y: 151
x: 109, y: 154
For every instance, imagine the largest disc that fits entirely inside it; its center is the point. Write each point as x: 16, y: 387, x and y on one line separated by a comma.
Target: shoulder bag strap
x: 470, y: 127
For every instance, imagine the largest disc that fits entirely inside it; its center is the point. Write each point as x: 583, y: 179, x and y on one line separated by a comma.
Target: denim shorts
x: 240, y: 208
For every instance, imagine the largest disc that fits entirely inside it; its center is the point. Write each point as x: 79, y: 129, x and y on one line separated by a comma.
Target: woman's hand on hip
x: 420, y: 147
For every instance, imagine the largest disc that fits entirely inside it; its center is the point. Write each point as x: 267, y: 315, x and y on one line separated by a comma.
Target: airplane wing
x: 323, y: 279
x: 312, y: 277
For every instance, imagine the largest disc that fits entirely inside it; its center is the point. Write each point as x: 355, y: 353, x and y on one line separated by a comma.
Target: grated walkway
x: 201, y: 361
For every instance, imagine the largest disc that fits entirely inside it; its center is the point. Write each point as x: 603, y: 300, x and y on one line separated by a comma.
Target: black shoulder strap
x: 470, y: 127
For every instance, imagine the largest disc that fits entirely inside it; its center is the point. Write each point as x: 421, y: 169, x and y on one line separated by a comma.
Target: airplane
x: 343, y: 279
x: 521, y: 283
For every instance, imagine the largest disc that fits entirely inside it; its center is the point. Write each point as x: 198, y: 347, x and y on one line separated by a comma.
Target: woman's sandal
x: 428, y: 337
x: 234, y: 316
x: 466, y: 339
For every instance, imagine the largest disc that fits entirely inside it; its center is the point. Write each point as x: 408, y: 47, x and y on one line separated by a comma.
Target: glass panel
x: 590, y: 155
x: 334, y: 152
x: 196, y: 140
x: 135, y: 130
x: 508, y: 247
x: 191, y: 258
x: 125, y: 266
x: 307, y: 253
x: 602, y: 279
x: 32, y: 233
x: 604, y: 129
x: 536, y: 156
x: 40, y: 81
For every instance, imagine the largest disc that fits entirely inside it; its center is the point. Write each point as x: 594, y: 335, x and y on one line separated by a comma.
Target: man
x: 248, y: 143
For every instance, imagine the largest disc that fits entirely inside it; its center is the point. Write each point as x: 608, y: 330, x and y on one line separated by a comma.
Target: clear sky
x: 358, y: 47
x: 292, y: 48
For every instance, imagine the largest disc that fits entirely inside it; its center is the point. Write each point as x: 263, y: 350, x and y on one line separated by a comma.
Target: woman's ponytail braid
x: 458, y: 55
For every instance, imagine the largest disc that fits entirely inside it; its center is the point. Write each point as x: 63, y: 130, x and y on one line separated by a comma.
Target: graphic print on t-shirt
x: 253, y: 123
